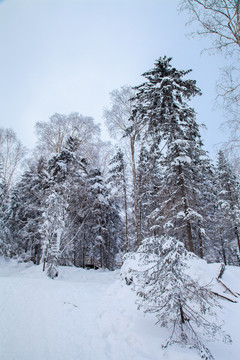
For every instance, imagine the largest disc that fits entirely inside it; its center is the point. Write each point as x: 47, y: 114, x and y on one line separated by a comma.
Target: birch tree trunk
x: 137, y: 220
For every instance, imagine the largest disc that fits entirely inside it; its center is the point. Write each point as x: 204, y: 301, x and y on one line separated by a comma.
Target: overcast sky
x: 68, y: 55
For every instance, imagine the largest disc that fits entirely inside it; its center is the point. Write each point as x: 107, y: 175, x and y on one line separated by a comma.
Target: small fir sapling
x: 180, y: 303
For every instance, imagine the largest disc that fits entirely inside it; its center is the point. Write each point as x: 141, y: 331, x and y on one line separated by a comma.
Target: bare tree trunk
x: 238, y: 20
x: 186, y: 207
x: 126, y: 210
x: 132, y: 139
x: 44, y: 264
x: 189, y: 232
x: 224, y: 253
x: 126, y: 219
x: 238, y: 239
x: 181, y: 312
x: 200, y: 241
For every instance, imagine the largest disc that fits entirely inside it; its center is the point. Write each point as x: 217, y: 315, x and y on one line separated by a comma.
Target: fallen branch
x: 71, y: 304
x: 224, y: 297
x: 231, y: 292
x: 221, y: 271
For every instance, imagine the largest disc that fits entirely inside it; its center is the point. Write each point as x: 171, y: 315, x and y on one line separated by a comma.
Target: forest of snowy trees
x: 80, y: 200
x: 150, y: 204
x: 154, y: 196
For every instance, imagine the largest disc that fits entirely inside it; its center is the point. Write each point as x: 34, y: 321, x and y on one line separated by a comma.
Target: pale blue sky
x: 67, y: 55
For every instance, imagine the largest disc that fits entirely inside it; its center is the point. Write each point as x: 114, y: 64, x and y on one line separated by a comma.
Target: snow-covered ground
x: 91, y: 315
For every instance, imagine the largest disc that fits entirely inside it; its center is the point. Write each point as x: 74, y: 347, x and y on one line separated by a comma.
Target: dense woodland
x: 153, y: 201
x: 79, y: 199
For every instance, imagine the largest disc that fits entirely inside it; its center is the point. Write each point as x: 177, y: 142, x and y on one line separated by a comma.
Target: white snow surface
x: 92, y: 315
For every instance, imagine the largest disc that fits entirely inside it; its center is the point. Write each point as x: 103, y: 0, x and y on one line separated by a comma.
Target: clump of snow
x: 89, y: 315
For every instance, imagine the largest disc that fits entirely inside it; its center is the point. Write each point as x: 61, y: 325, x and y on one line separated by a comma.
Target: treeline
x: 61, y: 211
x: 80, y: 198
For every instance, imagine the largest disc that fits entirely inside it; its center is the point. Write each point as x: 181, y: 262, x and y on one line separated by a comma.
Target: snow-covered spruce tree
x: 148, y: 182
x: 74, y: 176
x: 53, y: 231
x: 63, y: 169
x: 228, y: 212
x: 161, y: 104
x: 206, y: 202
x: 185, y: 193
x: 56, y: 206
x: 103, y: 223
x: 117, y: 184
x: 73, y: 247
x: 178, y: 301
x: 25, y: 211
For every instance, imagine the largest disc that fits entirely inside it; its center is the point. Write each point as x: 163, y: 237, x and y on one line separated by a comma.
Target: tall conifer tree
x: 228, y: 212
x: 117, y: 183
x: 173, y: 137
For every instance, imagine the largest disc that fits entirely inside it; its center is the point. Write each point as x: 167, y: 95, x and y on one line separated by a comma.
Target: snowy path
x: 43, y: 319
x: 82, y: 315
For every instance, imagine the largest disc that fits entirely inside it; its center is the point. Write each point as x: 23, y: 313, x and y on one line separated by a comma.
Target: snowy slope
x: 89, y: 315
